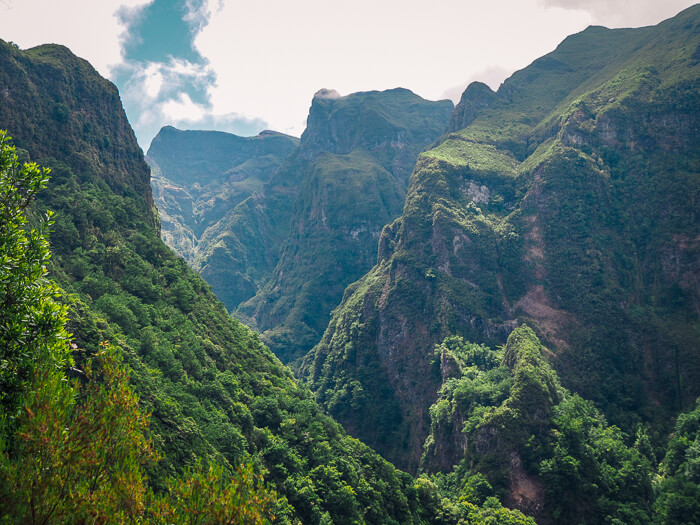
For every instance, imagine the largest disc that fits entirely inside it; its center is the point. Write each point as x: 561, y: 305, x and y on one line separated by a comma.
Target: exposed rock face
x: 199, y: 179
x: 525, y: 491
x: 553, y: 206
x: 394, y: 126
x: 352, y: 170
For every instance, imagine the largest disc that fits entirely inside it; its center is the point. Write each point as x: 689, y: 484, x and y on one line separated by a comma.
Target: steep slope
x: 568, y: 200
x: 199, y: 177
x: 519, y: 433
x: 213, y: 390
x: 279, y: 243
x: 62, y: 127
x: 351, y: 172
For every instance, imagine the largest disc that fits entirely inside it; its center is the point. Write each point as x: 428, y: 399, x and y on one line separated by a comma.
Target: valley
x: 414, y: 313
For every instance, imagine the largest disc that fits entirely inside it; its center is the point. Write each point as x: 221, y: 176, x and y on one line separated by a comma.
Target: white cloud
x: 263, y: 61
x: 491, y: 76
x: 88, y: 27
x: 155, y: 93
x: 624, y: 13
x: 162, y: 78
x: 197, y: 13
x: 153, y: 80
x: 182, y: 108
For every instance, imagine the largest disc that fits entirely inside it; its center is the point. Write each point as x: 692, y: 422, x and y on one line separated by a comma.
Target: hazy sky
x: 244, y: 66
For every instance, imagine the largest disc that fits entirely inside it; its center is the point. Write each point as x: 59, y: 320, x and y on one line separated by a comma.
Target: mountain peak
x: 327, y: 94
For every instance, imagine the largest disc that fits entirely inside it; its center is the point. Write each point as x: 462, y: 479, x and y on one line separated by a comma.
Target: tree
x: 205, y: 496
x: 69, y: 450
x: 31, y: 320
x: 80, y: 448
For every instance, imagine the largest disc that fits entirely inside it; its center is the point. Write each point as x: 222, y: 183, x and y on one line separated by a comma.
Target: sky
x: 243, y: 66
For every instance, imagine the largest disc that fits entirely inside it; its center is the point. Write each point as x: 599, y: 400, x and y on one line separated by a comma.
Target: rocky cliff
x: 352, y: 166
x: 199, y: 177
x: 568, y: 201
x: 280, y: 238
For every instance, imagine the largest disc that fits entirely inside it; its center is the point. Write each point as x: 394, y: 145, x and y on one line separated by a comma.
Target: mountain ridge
x: 527, y: 334
x: 543, y: 173
x: 346, y: 179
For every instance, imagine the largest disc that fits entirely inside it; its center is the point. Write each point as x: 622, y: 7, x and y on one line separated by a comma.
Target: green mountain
x: 279, y: 243
x: 198, y: 176
x: 567, y: 200
x: 526, y: 337
x: 351, y: 174
x: 213, y: 390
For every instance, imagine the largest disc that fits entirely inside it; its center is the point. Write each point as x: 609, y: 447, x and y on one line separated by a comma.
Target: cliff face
x: 352, y: 169
x: 57, y: 106
x: 568, y: 202
x: 393, y: 125
x: 201, y: 176
x: 279, y: 230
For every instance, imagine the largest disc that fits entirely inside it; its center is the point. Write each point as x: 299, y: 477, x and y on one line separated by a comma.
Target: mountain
x: 198, y: 176
x: 352, y: 168
x: 527, y: 336
x: 567, y: 200
x: 282, y: 255
x: 520, y: 434
x: 213, y: 391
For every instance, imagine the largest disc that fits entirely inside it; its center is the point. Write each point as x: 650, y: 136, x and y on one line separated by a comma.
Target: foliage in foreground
x: 212, y: 388
x: 678, y: 483
x: 75, y: 450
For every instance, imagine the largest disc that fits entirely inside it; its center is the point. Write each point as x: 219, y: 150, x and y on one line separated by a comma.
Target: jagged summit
x: 287, y: 237
x: 477, y: 96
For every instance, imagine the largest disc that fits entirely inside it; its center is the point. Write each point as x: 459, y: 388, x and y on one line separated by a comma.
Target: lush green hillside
x: 213, y: 390
x: 279, y: 244
x: 352, y: 170
x: 530, y: 441
x: 566, y: 200
x: 199, y: 177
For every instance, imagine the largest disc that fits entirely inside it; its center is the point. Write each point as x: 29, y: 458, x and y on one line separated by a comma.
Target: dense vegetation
x: 566, y: 200
x: 214, y: 393
x: 77, y: 450
x: 198, y: 180
x: 525, y: 438
x: 282, y: 257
